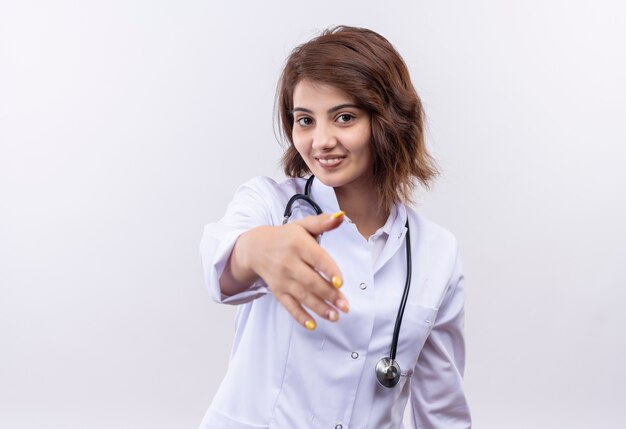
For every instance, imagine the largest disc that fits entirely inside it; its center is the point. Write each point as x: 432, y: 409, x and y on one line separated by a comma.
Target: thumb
x: 315, y: 225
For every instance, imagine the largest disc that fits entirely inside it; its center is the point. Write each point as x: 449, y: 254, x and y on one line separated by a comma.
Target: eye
x: 345, y: 118
x: 304, y: 121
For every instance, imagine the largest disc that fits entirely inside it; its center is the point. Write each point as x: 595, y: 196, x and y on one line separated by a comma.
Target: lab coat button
x: 354, y: 355
x: 339, y: 426
x: 363, y: 286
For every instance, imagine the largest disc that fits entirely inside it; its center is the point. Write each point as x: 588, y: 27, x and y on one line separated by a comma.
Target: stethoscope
x: 387, y: 369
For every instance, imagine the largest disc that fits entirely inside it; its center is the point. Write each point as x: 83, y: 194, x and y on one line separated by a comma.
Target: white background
x: 127, y: 125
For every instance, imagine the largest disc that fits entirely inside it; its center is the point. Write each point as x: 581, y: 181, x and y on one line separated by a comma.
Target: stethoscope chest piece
x: 388, y: 372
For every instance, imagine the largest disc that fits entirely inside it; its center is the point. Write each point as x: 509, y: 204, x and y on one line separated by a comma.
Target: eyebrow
x: 331, y: 110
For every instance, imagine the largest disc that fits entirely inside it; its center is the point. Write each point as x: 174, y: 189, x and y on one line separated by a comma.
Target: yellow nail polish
x: 338, y: 214
x: 333, y: 316
x: 310, y: 325
x: 337, y: 281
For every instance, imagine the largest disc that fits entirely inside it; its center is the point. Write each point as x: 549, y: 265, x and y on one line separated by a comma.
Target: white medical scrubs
x: 282, y: 375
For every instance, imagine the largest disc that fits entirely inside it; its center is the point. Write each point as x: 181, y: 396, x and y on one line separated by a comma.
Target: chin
x: 329, y: 180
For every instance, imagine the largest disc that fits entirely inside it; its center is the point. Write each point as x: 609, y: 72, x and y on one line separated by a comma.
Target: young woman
x: 342, y: 316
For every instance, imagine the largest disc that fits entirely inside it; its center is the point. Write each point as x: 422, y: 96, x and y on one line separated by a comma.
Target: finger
x: 297, y: 312
x: 320, y: 307
x: 318, y: 259
x: 315, y: 225
x: 317, y: 293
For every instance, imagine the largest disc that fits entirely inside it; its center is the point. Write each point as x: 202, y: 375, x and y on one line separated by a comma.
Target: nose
x: 324, y: 137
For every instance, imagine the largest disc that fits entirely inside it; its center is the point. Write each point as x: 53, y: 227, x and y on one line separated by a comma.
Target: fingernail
x: 343, y: 305
x: 337, y: 282
x: 333, y: 316
x: 310, y: 325
x: 338, y: 214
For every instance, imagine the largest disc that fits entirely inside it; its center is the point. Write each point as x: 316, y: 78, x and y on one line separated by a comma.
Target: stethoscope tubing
x: 387, y: 369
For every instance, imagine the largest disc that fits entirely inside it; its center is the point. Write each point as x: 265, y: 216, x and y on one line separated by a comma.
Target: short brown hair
x: 365, y: 65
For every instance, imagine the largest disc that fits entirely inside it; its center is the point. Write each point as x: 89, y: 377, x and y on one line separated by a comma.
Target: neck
x: 362, y: 206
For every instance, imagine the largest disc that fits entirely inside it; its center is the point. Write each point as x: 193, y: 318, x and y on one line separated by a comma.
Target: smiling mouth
x: 329, y: 162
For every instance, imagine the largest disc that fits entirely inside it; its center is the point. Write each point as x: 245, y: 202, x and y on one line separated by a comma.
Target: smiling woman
x: 372, y: 75
x: 353, y: 123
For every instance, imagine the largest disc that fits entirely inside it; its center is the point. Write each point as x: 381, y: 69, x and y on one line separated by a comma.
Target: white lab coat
x: 281, y: 375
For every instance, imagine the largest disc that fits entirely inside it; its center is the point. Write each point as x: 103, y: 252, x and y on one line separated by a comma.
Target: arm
x: 245, y: 257
x: 437, y: 397
x: 246, y: 211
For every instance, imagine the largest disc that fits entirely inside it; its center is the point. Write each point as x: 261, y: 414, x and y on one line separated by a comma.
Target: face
x: 333, y: 135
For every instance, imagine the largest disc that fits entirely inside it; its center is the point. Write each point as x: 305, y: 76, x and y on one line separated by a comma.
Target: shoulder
x: 430, y: 231
x: 439, y: 246
x: 265, y: 195
x: 266, y: 186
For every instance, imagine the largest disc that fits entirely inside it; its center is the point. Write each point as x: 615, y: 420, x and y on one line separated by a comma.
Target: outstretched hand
x: 295, y: 267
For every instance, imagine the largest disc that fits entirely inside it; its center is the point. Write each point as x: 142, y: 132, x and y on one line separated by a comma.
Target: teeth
x: 329, y: 161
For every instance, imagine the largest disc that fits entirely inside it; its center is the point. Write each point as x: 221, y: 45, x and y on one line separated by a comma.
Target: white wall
x: 127, y: 125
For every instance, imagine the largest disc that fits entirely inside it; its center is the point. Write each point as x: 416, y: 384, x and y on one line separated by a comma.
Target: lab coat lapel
x: 395, y: 239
